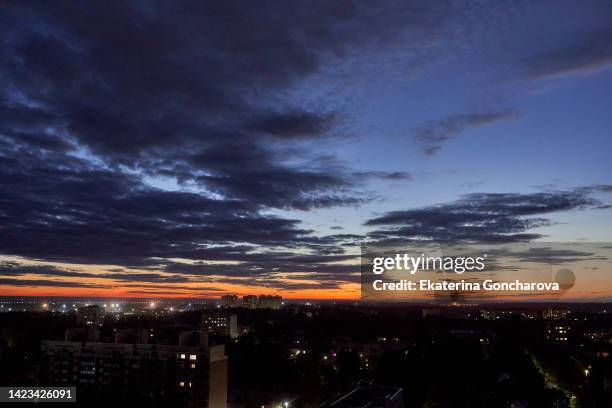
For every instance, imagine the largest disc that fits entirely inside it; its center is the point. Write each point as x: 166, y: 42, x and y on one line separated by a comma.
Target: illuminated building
x: 249, y: 301
x: 229, y: 301
x: 191, y: 374
x: 221, y: 324
x: 270, y: 302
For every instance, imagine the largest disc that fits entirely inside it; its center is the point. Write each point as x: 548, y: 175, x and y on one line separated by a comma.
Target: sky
x: 162, y: 149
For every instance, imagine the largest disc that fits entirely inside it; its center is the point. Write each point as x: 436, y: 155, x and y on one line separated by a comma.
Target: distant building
x: 263, y: 302
x: 449, y: 312
x: 92, y: 315
x: 269, y: 302
x: 249, y: 301
x: 558, y: 332
x: 368, y: 397
x: 555, y: 314
x: 190, y: 374
x: 221, y: 324
x: 489, y: 314
x: 523, y: 314
x: 228, y: 301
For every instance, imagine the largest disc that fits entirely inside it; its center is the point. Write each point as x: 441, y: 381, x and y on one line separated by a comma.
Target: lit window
x: 193, y: 365
x: 193, y: 357
x: 182, y: 356
x: 182, y: 384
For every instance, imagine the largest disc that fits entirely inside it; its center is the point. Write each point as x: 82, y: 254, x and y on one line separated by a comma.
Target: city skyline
x: 157, y: 150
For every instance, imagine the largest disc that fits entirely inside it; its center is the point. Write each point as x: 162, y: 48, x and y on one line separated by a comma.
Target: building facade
x: 190, y: 374
x: 221, y: 324
x: 229, y: 301
x: 249, y: 301
x: 270, y: 302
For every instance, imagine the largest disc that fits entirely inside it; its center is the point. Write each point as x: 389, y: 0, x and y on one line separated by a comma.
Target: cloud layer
x: 141, y: 134
x: 482, y: 217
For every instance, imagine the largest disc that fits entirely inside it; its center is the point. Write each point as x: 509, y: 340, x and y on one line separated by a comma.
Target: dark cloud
x: 582, y: 54
x: 101, y: 104
x: 156, y: 292
x: 65, y: 209
x: 292, y: 125
x: 193, y: 91
x: 196, y: 103
x: 10, y: 268
x: 480, y: 217
x: 264, y: 264
x: 288, y: 285
x: 284, y: 188
x: 250, y: 172
x: 43, y: 282
x: 385, y: 175
x: 434, y: 133
x: 553, y: 254
x: 175, y: 287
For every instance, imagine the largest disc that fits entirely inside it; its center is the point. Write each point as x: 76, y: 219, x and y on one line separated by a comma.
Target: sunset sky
x: 159, y: 149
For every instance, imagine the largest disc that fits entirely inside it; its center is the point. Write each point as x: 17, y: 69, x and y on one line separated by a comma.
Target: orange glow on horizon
x: 349, y: 292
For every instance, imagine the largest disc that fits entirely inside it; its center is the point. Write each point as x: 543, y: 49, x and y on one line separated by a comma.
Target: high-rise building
x: 269, y: 302
x: 221, y: 324
x: 228, y: 301
x: 263, y: 302
x: 191, y: 374
x: 249, y: 301
x: 217, y: 397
